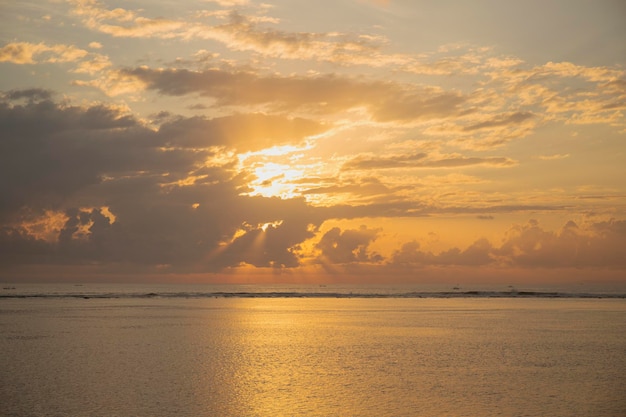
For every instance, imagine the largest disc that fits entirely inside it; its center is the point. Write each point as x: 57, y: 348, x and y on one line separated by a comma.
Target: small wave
x: 297, y: 294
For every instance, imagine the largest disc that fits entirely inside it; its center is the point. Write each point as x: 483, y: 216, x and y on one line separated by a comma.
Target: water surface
x: 286, y: 356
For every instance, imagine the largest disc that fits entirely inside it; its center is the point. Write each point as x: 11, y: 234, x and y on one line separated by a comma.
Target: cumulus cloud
x: 340, y: 247
x: 273, y: 244
x: 93, y: 185
x: 49, y: 151
x: 87, y: 183
x: 599, y: 245
x: 531, y: 246
x: 130, y: 194
x: 479, y: 253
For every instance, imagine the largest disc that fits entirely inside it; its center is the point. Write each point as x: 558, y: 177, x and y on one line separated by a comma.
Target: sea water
x: 156, y: 351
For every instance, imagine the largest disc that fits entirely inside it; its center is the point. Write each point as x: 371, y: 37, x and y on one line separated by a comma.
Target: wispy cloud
x: 553, y: 157
x: 30, y: 53
x: 421, y: 160
x: 386, y: 101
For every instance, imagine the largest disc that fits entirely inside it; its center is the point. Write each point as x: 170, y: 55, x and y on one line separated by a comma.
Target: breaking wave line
x: 306, y: 294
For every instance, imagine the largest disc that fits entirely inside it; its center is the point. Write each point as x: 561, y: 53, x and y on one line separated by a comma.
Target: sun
x: 275, y: 170
x: 276, y: 180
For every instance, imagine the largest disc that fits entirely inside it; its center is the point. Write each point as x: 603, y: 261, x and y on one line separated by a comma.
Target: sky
x: 344, y: 141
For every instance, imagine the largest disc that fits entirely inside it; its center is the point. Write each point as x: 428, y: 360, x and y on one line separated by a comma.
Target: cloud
x: 274, y: 243
x: 511, y: 100
x: 386, y: 101
x: 566, y: 92
x: 31, y: 94
x: 597, y: 246
x: 241, y: 33
x: 229, y: 3
x: 530, y: 246
x: 357, y: 192
x: 553, y: 157
x: 500, y: 120
x: 93, y: 185
x: 48, y: 151
x: 349, y: 246
x: 123, y: 23
x: 243, y: 132
x: 370, y: 186
x: 95, y: 64
x: 22, y: 53
x: 477, y: 254
x: 244, y: 33
x: 421, y: 160
x: 111, y: 82
x: 484, y: 217
x: 30, y: 53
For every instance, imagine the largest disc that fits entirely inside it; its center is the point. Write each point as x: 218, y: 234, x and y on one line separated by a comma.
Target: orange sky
x: 343, y: 141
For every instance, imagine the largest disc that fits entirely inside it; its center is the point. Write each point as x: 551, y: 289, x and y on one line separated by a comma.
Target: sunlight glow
x: 274, y: 224
x: 47, y: 226
x: 275, y: 180
x: 144, y: 135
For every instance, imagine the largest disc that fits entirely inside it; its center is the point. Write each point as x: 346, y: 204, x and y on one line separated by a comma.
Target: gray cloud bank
x: 117, y: 186
x: 92, y: 185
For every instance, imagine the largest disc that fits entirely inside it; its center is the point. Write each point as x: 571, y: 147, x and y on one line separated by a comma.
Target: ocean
x: 194, y: 350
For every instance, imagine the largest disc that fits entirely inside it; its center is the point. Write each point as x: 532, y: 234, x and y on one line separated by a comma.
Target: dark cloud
x: 479, y: 253
x: 17, y: 247
x: 365, y: 187
x: 115, y: 193
x: 244, y: 132
x: 125, y: 198
x: 418, y: 105
x: 49, y: 152
x: 397, y: 161
x: 273, y: 244
x: 29, y: 94
x: 421, y: 160
x: 351, y: 245
x: 601, y: 245
x: 386, y: 101
x: 501, y: 120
